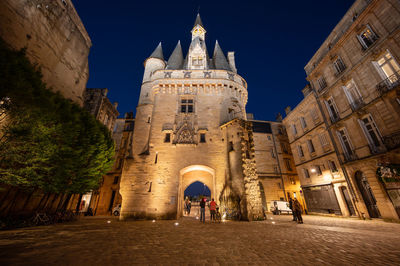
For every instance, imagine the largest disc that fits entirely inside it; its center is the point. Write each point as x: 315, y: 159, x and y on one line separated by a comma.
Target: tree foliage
x: 46, y: 141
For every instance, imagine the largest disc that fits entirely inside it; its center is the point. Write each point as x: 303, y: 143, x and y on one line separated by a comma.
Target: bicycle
x: 217, y: 215
x: 41, y: 219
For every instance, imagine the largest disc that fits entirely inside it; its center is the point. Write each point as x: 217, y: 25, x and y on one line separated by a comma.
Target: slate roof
x: 157, y: 53
x: 175, y: 61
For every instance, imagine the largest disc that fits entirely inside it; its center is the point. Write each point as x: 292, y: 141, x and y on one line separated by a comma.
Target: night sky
x: 272, y: 40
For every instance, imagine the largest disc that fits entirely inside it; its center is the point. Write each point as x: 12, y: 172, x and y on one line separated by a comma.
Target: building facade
x: 355, y: 78
x: 55, y: 39
x: 190, y: 126
x: 275, y: 165
x: 323, y: 182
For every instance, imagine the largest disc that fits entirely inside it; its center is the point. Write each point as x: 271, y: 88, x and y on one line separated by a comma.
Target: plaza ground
x: 277, y: 241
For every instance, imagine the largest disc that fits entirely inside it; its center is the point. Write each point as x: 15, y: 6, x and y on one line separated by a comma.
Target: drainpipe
x: 346, y: 175
x: 279, y: 165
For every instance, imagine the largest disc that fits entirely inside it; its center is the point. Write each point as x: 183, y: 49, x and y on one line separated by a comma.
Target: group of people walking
x: 213, y: 210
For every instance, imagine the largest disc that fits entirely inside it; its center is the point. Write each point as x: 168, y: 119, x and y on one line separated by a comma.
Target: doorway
x: 193, y: 194
x: 347, y: 200
x: 367, y: 194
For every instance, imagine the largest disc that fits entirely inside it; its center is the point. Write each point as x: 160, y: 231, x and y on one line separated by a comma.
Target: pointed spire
x: 219, y: 58
x: 198, y: 21
x: 157, y: 53
x: 175, y: 61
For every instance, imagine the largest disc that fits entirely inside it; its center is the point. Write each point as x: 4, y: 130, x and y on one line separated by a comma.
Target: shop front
x: 389, y: 175
x: 321, y: 199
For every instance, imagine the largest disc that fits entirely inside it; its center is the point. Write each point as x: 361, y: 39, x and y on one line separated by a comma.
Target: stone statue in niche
x: 185, y: 134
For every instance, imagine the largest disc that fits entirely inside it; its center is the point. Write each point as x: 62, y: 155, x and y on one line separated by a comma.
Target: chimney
x: 231, y: 60
x: 287, y: 110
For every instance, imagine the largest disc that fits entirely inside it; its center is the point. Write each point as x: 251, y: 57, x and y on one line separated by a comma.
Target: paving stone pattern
x: 277, y: 241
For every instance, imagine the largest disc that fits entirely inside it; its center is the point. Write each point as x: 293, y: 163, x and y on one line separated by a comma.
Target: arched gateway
x: 191, y: 174
x: 190, y: 126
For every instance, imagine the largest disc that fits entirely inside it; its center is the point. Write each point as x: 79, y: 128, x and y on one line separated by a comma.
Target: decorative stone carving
x: 167, y: 74
x: 231, y: 76
x: 187, y: 74
x: 185, y: 133
x: 207, y: 74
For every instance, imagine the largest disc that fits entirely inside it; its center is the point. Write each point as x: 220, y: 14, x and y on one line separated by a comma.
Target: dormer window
x: 367, y: 37
x: 197, y: 61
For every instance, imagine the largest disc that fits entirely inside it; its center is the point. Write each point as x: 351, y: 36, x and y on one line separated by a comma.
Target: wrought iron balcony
x: 392, y: 141
x: 357, y: 104
x: 389, y: 83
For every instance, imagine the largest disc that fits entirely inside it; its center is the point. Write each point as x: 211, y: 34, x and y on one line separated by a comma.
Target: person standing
x: 291, y: 207
x: 213, y: 209
x: 189, y: 206
x: 297, y: 208
x: 203, y: 210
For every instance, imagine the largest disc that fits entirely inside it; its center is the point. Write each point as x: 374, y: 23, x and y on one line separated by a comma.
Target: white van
x: 278, y: 207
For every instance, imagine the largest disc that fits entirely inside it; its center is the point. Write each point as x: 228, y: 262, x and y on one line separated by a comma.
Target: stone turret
x: 153, y: 63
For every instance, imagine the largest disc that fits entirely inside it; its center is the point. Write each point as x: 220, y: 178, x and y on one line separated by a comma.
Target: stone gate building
x: 190, y: 126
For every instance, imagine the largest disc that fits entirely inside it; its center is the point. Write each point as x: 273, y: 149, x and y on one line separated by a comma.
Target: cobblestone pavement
x: 277, y: 241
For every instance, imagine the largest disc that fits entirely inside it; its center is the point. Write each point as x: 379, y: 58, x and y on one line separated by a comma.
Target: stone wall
x: 55, y: 38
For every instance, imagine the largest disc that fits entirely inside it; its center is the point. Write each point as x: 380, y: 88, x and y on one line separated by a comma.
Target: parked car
x: 116, y: 210
x: 279, y: 207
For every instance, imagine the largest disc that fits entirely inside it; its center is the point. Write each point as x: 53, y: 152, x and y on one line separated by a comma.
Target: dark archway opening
x: 192, y: 196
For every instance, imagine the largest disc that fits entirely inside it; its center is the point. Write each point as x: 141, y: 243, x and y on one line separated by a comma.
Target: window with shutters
x: 324, y: 141
x: 367, y: 37
x: 332, y: 166
x: 310, y: 145
x: 332, y: 109
x: 294, y: 129
x: 303, y: 122
x: 272, y: 153
x: 318, y: 170
x: 314, y: 115
x: 388, y: 68
x: 339, y: 65
x: 288, y: 164
x: 306, y: 173
x: 353, y: 95
x: 300, y: 151
x: 345, y: 142
x: 371, y: 132
x: 321, y: 83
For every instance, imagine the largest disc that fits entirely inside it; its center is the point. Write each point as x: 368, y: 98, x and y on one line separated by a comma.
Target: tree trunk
x: 66, y: 201
x: 60, y: 202
x: 11, y: 206
x: 27, y: 199
x: 3, y: 200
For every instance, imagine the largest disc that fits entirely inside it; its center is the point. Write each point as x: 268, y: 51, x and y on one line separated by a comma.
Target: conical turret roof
x: 198, y: 21
x: 157, y: 53
x: 219, y: 58
x: 175, y: 61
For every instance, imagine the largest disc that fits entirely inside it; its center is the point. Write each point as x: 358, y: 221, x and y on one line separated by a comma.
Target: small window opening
x: 156, y: 159
x: 202, y: 137
x: 167, y: 137
x: 116, y: 179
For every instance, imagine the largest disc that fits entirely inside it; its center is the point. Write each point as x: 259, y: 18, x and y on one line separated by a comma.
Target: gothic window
x: 187, y: 105
x: 167, y: 137
x: 202, y: 137
x: 339, y: 65
x: 367, y: 37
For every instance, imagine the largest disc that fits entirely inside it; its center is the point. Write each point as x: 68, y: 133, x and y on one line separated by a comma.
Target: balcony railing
x: 392, y: 141
x: 357, y: 104
x: 376, y: 149
x: 349, y: 157
x: 389, y: 83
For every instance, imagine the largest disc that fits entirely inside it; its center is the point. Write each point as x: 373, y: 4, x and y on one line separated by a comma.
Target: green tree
x: 46, y: 141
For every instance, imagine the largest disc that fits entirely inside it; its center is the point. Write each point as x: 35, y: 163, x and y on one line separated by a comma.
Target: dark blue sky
x: 272, y: 40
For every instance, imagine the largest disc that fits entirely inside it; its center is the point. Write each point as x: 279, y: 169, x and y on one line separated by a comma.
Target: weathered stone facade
x: 55, y: 39
x: 322, y: 180
x: 181, y: 135
x: 355, y: 77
